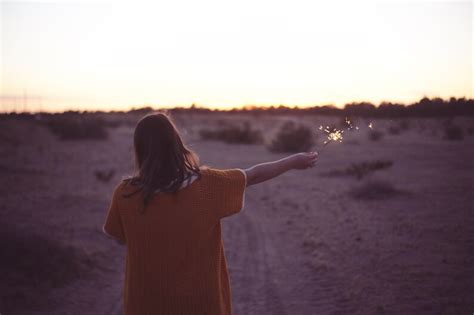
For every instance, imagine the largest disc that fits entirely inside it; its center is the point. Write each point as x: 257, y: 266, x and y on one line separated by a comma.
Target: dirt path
x: 268, y: 273
x: 252, y: 257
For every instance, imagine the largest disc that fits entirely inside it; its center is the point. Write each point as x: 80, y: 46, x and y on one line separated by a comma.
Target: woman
x: 168, y: 216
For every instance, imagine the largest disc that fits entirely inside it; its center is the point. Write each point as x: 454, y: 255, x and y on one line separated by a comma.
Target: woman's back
x: 175, y: 256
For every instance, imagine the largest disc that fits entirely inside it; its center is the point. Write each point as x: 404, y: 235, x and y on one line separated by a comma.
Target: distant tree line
x: 425, y: 107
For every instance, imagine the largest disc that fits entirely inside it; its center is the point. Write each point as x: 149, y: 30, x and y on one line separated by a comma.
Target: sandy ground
x: 303, y: 244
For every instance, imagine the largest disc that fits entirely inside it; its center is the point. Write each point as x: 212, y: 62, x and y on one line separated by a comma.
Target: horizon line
x: 246, y: 107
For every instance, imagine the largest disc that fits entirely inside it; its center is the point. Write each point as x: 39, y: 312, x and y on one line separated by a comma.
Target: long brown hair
x: 162, y: 161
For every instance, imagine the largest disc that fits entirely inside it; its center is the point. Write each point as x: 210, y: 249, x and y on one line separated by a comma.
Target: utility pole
x: 41, y: 104
x: 25, y: 100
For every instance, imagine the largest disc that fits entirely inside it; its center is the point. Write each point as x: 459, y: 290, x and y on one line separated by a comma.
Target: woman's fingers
x: 305, y: 160
x: 314, y: 159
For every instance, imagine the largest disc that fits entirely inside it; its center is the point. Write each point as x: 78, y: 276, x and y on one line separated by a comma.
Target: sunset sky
x: 115, y: 55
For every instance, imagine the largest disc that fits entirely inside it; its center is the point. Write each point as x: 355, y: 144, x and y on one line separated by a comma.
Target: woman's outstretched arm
x: 265, y: 171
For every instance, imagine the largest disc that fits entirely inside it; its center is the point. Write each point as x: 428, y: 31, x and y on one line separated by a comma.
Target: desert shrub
x: 114, y: 123
x: 375, y: 135
x: 375, y: 189
x: 233, y: 134
x: 363, y: 169
x: 32, y: 265
x: 453, y: 132
x: 222, y: 122
x: 399, y: 126
x: 421, y: 126
x: 404, y: 124
x: 360, y: 170
x: 78, y: 128
x: 292, y: 138
x: 104, y: 175
x: 393, y: 130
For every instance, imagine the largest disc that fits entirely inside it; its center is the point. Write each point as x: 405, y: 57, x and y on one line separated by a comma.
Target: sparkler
x: 336, y: 135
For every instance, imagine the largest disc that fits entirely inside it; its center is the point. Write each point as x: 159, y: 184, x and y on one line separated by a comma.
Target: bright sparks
x: 336, y: 135
x: 332, y: 134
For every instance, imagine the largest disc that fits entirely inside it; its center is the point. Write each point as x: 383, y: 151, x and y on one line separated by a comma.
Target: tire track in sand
x: 269, y: 274
x: 247, y: 252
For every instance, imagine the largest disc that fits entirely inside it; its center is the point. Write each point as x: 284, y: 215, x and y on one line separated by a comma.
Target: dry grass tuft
x: 292, y: 138
x: 394, y: 130
x: 32, y: 265
x: 78, y: 128
x: 233, y: 134
x: 398, y: 126
x: 361, y: 170
x: 375, y: 135
x: 453, y: 132
x: 104, y: 175
x: 375, y: 189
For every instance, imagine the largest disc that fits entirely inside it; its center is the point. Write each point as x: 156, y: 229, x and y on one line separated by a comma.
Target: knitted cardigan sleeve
x: 113, y: 224
x: 227, y: 191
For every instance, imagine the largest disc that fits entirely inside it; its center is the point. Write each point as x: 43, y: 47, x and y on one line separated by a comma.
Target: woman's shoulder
x: 211, y: 171
x: 216, y: 173
x: 125, y: 185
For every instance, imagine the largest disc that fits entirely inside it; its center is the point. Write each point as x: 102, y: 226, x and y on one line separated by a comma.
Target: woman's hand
x: 304, y: 160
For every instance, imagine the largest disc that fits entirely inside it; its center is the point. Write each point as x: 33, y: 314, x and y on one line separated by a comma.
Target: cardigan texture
x: 175, y: 262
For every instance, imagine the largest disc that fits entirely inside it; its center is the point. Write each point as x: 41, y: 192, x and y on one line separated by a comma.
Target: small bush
x: 33, y: 265
x: 78, y: 128
x: 398, y: 126
x: 404, y: 124
x: 375, y: 135
x: 233, y: 134
x: 363, y: 169
x: 421, y: 127
x: 453, y: 132
x: 292, y: 138
x: 393, y: 130
x: 375, y: 190
x: 113, y: 123
x: 104, y: 175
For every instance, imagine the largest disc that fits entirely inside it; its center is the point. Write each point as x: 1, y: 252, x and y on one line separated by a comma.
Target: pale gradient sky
x: 225, y: 54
